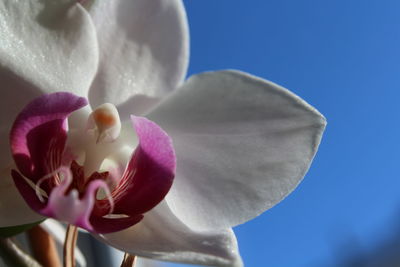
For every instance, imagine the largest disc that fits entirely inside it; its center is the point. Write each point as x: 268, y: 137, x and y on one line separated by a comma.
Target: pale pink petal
x: 69, y: 206
x: 242, y: 145
x: 143, y: 52
x: 162, y: 236
x: 61, y: 204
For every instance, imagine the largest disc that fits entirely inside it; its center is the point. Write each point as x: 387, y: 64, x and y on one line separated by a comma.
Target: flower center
x: 59, y: 164
x: 102, y: 130
x: 80, y: 182
x: 105, y: 123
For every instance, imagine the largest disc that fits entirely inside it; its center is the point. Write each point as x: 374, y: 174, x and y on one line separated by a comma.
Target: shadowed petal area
x: 149, y: 174
x: 38, y: 136
x: 162, y: 236
x: 19, y: 93
x: 13, y: 209
x: 27, y: 192
x: 242, y: 145
x: 109, y: 225
x: 144, y: 51
x: 49, y: 44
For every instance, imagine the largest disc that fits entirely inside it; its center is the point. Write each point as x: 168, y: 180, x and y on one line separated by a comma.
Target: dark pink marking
x: 38, y: 139
x: 27, y: 192
x: 150, y: 172
x: 39, y: 133
x: 80, y: 182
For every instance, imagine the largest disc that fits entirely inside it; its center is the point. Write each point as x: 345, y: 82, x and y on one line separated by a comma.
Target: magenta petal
x: 27, y: 192
x: 150, y: 171
x: 38, y: 135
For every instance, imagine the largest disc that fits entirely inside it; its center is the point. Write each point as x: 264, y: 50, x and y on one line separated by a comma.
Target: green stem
x: 13, y: 255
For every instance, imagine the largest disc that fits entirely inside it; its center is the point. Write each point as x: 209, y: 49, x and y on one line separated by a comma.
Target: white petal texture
x: 144, y: 48
x: 162, y: 236
x: 242, y: 145
x: 46, y: 46
x: 51, y: 44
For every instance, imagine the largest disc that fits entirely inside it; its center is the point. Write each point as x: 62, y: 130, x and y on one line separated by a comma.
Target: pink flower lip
x: 55, y: 185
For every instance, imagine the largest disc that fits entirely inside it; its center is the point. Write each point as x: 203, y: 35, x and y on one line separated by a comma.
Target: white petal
x: 143, y: 52
x: 242, y: 145
x: 45, y: 46
x: 6, y: 159
x: 50, y: 44
x: 162, y: 236
x: 13, y: 209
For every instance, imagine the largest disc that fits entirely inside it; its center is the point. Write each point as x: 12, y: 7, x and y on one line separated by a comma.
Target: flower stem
x: 69, y: 245
x: 128, y: 261
x: 43, y: 247
x: 13, y: 255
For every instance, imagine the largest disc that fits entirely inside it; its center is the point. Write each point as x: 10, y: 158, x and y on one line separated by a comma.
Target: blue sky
x: 343, y: 57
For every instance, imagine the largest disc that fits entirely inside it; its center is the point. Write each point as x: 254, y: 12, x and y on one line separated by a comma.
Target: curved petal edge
x: 144, y: 52
x: 162, y: 236
x: 242, y: 145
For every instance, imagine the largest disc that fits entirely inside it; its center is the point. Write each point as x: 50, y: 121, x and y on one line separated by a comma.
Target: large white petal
x: 242, y: 145
x: 162, y: 236
x: 13, y: 209
x: 144, y: 47
x: 45, y: 46
x: 51, y: 44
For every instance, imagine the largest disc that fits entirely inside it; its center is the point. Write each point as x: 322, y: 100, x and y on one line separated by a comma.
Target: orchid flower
x: 105, y: 133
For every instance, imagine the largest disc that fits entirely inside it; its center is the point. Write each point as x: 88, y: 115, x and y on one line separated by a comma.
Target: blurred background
x: 343, y: 57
